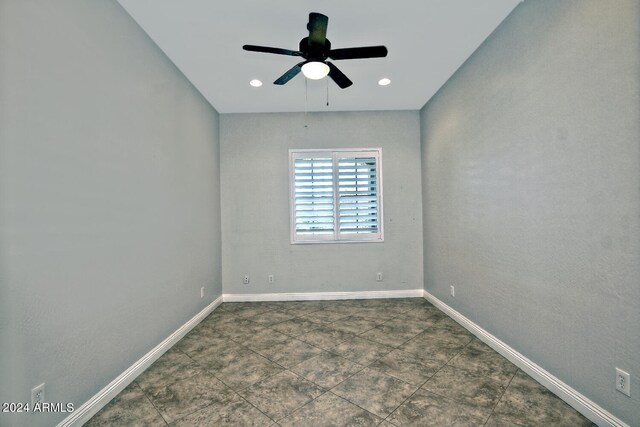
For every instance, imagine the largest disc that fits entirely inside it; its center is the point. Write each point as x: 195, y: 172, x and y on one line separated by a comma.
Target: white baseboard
x: 316, y: 296
x: 88, y: 409
x: 578, y: 401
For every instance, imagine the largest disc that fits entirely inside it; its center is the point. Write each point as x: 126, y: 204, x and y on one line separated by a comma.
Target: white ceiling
x: 427, y: 41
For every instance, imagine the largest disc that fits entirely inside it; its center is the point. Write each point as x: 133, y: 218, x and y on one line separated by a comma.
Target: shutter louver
x: 313, y: 196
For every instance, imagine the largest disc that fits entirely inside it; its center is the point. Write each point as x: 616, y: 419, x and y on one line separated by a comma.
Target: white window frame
x: 336, y: 237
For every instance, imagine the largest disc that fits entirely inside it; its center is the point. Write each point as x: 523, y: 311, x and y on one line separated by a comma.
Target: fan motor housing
x: 314, y: 52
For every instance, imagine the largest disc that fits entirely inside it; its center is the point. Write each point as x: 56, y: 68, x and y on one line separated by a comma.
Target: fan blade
x: 289, y: 74
x: 317, y: 27
x: 358, y: 52
x: 276, y: 50
x: 338, y: 76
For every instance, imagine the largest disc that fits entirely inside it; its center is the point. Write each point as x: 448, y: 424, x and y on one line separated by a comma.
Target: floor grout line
x: 501, y: 396
x: 151, y: 402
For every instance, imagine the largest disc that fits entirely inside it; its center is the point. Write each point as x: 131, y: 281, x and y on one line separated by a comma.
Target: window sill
x: 325, y: 242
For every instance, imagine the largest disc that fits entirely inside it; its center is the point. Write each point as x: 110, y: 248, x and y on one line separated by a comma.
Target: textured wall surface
x: 255, y: 200
x: 531, y: 197
x: 109, y: 199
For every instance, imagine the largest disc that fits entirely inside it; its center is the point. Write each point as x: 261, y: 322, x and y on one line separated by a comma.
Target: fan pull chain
x: 306, y: 100
x: 327, y: 79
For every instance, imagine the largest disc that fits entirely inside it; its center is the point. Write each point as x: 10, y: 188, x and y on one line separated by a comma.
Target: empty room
x: 298, y: 213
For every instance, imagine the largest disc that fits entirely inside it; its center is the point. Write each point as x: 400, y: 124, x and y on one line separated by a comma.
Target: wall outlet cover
x: 37, y: 394
x: 623, y: 382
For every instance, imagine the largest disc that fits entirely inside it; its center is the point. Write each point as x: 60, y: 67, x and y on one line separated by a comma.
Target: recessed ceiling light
x: 384, y: 82
x: 255, y: 83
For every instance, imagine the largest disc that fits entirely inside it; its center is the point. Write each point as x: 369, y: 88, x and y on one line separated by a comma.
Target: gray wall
x: 109, y: 199
x: 255, y: 204
x: 531, y: 202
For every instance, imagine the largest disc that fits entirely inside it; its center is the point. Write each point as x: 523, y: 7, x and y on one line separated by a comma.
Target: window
x: 336, y: 195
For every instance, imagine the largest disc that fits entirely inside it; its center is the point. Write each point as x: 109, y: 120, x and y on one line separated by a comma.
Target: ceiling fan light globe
x: 315, y: 70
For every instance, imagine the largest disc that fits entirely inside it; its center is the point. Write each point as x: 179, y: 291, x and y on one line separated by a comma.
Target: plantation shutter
x: 335, y: 195
x: 358, y: 195
x: 313, y: 196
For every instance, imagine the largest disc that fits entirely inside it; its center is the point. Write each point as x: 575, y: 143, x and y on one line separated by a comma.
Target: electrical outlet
x: 623, y: 382
x: 245, y: 280
x: 37, y: 395
x: 202, y: 292
x: 379, y: 277
x: 452, y: 290
x: 271, y: 278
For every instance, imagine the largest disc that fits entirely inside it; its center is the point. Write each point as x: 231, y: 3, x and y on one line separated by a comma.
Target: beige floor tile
x: 281, y: 394
x: 327, y: 369
x: 375, y: 391
x: 330, y: 410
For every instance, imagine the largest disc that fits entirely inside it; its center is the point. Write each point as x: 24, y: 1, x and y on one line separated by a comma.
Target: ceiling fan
x: 316, y: 49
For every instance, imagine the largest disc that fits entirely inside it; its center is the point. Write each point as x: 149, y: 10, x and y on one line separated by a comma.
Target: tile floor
x: 392, y: 362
